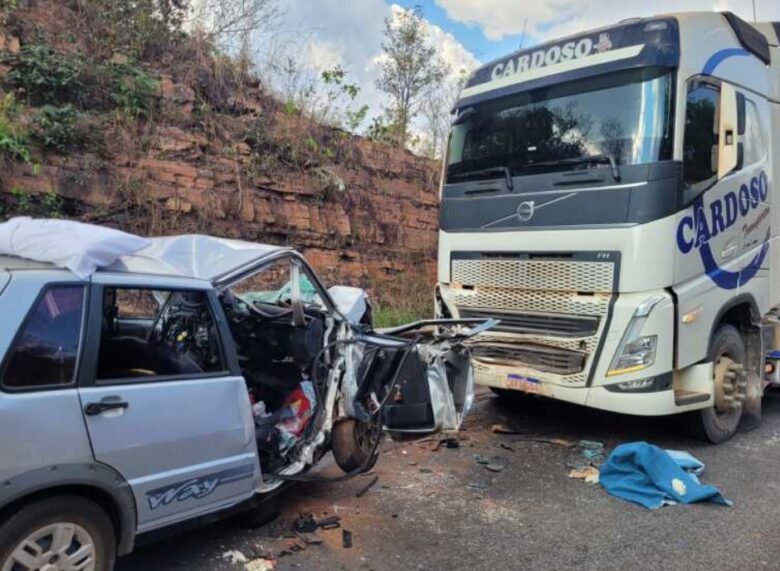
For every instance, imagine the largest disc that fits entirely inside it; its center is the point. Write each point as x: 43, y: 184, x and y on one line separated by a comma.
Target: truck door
x: 723, y: 231
x: 163, y: 400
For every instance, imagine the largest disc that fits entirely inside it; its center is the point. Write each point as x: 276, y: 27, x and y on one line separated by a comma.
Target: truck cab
x: 607, y: 197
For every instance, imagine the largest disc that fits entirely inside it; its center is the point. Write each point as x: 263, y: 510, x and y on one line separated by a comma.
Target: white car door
x: 164, y: 402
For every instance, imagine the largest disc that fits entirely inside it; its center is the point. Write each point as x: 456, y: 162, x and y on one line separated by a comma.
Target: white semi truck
x: 608, y: 197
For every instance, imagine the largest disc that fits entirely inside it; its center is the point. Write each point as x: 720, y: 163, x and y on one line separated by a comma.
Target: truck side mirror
x: 728, y: 154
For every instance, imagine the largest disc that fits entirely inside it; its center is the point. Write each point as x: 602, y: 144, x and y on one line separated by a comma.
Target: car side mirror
x: 728, y: 151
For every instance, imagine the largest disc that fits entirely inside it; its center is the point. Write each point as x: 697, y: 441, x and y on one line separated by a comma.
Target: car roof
x: 187, y: 256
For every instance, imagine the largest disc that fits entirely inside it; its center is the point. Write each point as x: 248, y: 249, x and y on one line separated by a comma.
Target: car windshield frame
x: 564, y: 115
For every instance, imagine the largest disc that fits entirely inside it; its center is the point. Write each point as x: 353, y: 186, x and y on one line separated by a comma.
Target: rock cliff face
x: 363, y: 213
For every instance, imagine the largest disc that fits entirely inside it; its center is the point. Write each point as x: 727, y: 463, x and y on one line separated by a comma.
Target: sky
x: 467, y: 32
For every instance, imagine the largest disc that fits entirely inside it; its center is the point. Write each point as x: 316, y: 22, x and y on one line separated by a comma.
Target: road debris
x: 586, y: 453
x: 235, y: 557
x: 497, y: 463
x: 305, y: 523
x: 260, y: 565
x: 590, y: 474
x: 362, y: 491
x: 519, y: 436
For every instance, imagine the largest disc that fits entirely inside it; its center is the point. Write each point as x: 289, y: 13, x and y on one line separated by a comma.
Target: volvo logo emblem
x: 525, y: 210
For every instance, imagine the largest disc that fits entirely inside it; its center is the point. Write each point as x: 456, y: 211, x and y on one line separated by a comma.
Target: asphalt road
x: 439, y: 509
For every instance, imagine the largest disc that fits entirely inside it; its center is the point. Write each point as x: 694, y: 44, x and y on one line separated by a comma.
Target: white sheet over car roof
x: 192, y: 256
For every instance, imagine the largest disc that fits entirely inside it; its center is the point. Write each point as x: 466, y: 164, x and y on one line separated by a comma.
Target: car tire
x: 353, y: 444
x: 90, y: 533
x: 708, y: 424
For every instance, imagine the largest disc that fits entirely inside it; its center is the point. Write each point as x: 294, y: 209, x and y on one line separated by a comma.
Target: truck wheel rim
x: 55, y: 547
x: 730, y: 385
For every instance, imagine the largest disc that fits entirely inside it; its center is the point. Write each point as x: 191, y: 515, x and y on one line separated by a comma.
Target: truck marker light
x: 692, y: 315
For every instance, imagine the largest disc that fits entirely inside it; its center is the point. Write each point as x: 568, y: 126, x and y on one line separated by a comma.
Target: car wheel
x: 719, y: 422
x: 58, y: 534
x: 354, y: 444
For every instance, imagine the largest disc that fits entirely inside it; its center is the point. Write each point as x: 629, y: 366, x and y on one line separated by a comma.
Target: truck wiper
x: 589, y: 159
x: 492, y: 170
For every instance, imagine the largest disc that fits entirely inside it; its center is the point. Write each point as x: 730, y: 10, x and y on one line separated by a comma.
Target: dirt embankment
x: 207, y: 151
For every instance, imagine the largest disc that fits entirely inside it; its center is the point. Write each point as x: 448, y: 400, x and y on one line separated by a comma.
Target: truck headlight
x: 636, y: 355
x: 636, y: 352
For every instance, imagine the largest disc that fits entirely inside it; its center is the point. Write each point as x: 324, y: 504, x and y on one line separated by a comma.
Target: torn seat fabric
x: 649, y: 476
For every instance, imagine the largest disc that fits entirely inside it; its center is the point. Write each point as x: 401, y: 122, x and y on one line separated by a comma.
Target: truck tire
x: 354, y: 444
x: 58, y: 533
x: 711, y: 424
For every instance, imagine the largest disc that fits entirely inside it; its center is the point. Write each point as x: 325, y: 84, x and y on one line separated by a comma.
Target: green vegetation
x: 386, y: 316
x: 404, y: 296
x: 142, y: 29
x: 14, y: 142
x: 6, y: 7
x: 25, y: 203
x: 44, y: 76
x: 61, y: 129
x: 132, y: 89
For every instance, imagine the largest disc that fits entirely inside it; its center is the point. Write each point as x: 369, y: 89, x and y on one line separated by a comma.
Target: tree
x: 410, y: 70
x: 230, y: 22
x: 436, y: 110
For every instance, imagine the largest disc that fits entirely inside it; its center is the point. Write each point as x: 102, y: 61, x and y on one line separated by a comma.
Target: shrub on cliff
x: 44, y: 76
x: 14, y: 143
x: 63, y: 129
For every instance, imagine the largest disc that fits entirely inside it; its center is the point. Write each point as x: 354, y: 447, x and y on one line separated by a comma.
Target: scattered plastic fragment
x: 260, y: 565
x: 331, y: 522
x: 590, y: 474
x: 305, y: 523
x: 586, y: 453
x: 497, y: 463
x: 235, y: 557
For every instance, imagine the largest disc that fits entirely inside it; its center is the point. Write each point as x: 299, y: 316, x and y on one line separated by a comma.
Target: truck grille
x: 533, y: 274
x: 539, y: 357
x: 554, y: 309
x: 544, y: 324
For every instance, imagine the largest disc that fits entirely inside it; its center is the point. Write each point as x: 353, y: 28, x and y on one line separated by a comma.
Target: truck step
x: 682, y: 397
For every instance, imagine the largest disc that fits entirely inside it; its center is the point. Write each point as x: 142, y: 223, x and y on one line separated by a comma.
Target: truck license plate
x: 525, y: 384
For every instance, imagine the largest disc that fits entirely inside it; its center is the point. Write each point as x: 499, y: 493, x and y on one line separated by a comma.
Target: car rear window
x: 45, y: 352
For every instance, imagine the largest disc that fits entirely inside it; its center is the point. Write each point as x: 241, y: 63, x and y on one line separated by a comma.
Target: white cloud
x: 555, y: 18
x: 324, y: 33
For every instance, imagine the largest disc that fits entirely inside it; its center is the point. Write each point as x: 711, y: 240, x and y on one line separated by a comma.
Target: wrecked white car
x: 190, y: 377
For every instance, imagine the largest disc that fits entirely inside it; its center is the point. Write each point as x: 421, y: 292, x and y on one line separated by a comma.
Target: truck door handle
x: 95, y: 408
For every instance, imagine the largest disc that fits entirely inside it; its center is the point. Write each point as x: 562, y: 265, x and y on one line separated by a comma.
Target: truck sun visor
x: 81, y: 248
x: 751, y: 39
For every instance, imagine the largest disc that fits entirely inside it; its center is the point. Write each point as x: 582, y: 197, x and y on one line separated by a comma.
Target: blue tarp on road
x: 652, y: 477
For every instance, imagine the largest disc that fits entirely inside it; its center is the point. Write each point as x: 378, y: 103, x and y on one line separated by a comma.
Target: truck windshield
x: 626, y: 116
